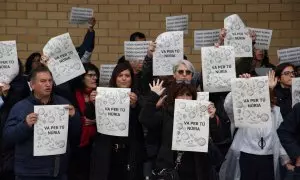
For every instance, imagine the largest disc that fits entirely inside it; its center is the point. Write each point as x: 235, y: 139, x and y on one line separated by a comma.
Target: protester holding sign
x: 190, y: 165
x: 32, y: 62
x: 257, y: 149
x: 18, y: 131
x: 120, y: 157
x: 284, y: 73
x: 84, y: 95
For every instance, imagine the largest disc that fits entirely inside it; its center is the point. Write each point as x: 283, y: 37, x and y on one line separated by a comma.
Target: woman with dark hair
x: 255, y: 152
x: 120, y: 157
x: 284, y: 73
x: 32, y: 62
x: 192, y: 165
x: 84, y: 86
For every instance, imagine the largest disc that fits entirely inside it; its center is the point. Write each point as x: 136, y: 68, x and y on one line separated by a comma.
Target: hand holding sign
x: 93, y: 96
x: 4, y: 88
x: 71, y: 110
x: 31, y: 119
x: 133, y: 99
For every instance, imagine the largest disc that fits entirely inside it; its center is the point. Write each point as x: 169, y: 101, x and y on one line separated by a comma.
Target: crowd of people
x: 269, y: 153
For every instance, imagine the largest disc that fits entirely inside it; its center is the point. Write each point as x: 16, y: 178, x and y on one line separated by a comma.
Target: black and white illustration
x: 251, y: 102
x: 64, y: 61
x: 51, y: 130
x: 290, y: 55
x: 105, y: 74
x: 205, y: 38
x: 178, y: 23
x: 80, y: 15
x: 263, y: 38
x: 203, y: 96
x: 218, y: 68
x: 233, y: 23
x: 135, y: 50
x: 241, y: 42
x: 9, y: 67
x: 112, y: 111
x: 191, y: 126
x: 169, y: 50
x: 295, y: 91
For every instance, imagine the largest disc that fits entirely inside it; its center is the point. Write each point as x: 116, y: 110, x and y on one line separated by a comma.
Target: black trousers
x: 119, y: 164
x: 256, y: 167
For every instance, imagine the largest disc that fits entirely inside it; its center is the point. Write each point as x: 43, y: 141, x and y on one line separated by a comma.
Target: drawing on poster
x: 205, y: 38
x: 233, y: 23
x: 290, y: 55
x: 9, y: 66
x: 251, y: 102
x: 169, y: 50
x: 177, y: 23
x: 203, y: 96
x: 263, y: 38
x: 80, y: 15
x: 191, y: 126
x: 105, y: 74
x: 218, y: 68
x: 135, y: 50
x: 112, y: 111
x: 51, y: 130
x: 241, y: 42
x: 64, y: 61
x: 295, y: 91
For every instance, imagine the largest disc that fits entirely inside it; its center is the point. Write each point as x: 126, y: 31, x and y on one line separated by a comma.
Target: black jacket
x: 103, y: 145
x: 284, y: 99
x: 153, y: 118
x: 289, y: 133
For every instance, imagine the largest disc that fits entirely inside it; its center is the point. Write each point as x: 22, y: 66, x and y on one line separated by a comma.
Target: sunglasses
x: 92, y: 75
x: 289, y: 73
x: 187, y: 72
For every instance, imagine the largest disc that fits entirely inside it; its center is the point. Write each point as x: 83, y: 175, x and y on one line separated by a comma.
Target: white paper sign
x: 191, y: 126
x: 233, y: 23
x: 64, y: 62
x: 251, y: 102
x: 80, y: 15
x: 290, y: 55
x: 177, y: 23
x: 105, y: 74
x: 9, y: 67
x: 135, y: 50
x: 204, y: 38
x: 203, y: 96
x: 51, y: 130
x: 169, y: 50
x: 263, y: 38
x: 295, y: 91
x: 218, y: 68
x: 112, y: 111
x: 241, y: 42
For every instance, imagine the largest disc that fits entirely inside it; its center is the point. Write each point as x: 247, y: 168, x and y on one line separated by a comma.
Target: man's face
x: 42, y: 84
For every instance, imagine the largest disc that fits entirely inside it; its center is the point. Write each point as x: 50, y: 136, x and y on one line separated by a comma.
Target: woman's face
x: 186, y: 95
x: 36, y: 62
x: 259, y: 54
x: 90, y: 79
x: 286, y: 76
x: 183, y: 73
x: 124, y: 79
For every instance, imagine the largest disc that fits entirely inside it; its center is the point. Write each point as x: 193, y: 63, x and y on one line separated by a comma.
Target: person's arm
x: 288, y: 132
x: 16, y: 129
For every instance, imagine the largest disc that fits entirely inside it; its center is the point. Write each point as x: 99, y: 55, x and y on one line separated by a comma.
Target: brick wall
x: 33, y: 22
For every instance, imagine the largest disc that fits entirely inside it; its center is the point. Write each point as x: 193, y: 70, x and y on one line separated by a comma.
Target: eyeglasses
x: 289, y: 73
x: 92, y: 75
x: 187, y: 72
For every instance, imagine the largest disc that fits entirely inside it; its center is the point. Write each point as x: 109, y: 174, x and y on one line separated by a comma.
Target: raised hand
x: 272, y: 79
x: 157, y: 87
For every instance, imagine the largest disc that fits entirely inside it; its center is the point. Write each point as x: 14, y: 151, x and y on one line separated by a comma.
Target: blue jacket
x: 18, y: 133
x: 86, y: 48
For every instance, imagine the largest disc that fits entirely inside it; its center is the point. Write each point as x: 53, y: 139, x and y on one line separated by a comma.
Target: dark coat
x: 103, y: 146
x: 17, y: 133
x: 153, y: 118
x: 283, y: 100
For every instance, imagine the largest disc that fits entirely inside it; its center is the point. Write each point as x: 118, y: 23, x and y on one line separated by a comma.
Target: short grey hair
x: 187, y: 63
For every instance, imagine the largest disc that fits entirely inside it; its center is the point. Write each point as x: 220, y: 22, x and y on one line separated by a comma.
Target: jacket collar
x: 36, y: 101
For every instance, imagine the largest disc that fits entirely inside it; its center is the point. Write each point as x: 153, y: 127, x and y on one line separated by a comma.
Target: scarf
x: 87, y: 132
